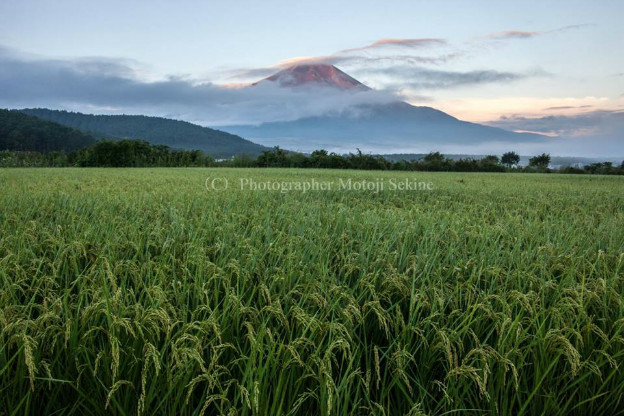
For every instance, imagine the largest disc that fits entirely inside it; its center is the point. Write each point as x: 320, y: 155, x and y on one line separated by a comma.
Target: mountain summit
x: 314, y: 74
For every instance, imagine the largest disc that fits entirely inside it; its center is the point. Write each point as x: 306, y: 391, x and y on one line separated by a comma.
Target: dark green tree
x: 510, y: 159
x: 434, y: 161
x: 274, y: 158
x: 319, y: 159
x: 541, y: 161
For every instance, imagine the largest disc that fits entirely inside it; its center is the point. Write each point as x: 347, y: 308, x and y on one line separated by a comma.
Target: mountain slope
x: 393, y: 127
x: 23, y: 132
x: 173, y: 133
x: 384, y: 126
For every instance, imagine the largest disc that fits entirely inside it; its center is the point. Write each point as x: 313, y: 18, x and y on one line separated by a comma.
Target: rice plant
x: 140, y: 291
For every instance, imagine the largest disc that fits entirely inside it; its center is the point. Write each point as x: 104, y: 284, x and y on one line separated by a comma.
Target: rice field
x: 150, y: 291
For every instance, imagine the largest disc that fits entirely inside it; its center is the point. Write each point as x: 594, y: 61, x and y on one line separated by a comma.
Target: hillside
x: 381, y: 128
x: 23, y: 132
x: 173, y: 133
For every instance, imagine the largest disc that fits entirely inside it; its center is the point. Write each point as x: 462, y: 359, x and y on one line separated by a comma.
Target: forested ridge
x: 155, y: 130
x: 23, y: 132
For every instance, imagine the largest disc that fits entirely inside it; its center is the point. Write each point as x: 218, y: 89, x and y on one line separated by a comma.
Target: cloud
x: 599, y: 124
x: 114, y: 86
x: 372, y: 54
x: 424, y: 78
x: 548, y: 134
x: 572, y: 27
x: 528, y: 34
x: 396, y: 71
x: 405, y: 43
x: 363, y: 60
x: 249, y: 73
x: 595, y: 133
x: 341, y: 59
x: 514, y: 34
x: 567, y: 107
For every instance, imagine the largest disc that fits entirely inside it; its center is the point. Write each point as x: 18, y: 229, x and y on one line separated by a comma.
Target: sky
x: 553, y: 67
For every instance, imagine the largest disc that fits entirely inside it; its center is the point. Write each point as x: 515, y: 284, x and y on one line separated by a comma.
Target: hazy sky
x: 486, y: 61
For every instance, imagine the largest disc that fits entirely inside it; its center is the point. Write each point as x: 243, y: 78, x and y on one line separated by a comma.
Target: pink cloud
x: 514, y: 34
x: 527, y: 34
x: 541, y: 133
x: 407, y: 43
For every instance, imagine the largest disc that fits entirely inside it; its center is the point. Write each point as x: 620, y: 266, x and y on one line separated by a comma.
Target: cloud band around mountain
x: 112, y: 85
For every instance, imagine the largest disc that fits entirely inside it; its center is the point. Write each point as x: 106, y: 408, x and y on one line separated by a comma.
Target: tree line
x: 433, y: 162
x: 109, y: 153
x: 139, y: 153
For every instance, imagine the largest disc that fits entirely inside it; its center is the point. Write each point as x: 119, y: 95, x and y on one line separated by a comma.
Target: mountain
x: 314, y: 75
x: 155, y: 130
x: 390, y: 127
x: 380, y: 127
x: 23, y: 132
